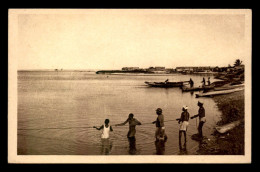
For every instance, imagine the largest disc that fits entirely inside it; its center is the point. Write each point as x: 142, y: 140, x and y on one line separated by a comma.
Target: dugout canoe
x: 165, y: 84
x: 229, y: 87
x: 207, y: 87
x: 214, y: 93
x: 227, y: 127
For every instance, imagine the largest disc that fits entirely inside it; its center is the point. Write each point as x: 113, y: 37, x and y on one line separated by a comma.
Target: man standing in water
x: 202, y: 118
x: 191, y: 83
x: 106, y: 144
x: 106, y: 128
x: 160, y: 129
x: 131, y: 133
x: 132, y: 123
x: 184, y: 121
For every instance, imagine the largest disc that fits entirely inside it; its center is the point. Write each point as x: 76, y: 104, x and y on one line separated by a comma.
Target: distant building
x: 159, y: 68
x: 222, y: 69
x: 195, y: 69
x: 182, y: 69
x: 151, y: 69
x: 216, y: 69
x: 130, y: 68
x: 170, y: 70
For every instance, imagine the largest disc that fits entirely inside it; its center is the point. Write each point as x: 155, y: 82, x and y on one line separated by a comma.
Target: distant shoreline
x: 53, y: 70
x: 116, y: 72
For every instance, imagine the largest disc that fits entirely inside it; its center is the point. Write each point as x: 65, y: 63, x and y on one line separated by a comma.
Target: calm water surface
x: 84, y: 99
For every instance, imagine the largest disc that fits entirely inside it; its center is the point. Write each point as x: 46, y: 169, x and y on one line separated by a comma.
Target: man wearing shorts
x: 202, y: 118
x: 160, y: 128
x: 184, y: 122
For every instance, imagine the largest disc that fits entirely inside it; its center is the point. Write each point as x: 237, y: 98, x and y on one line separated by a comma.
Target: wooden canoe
x: 229, y: 87
x: 227, y: 127
x: 213, y: 93
x: 165, y: 84
x: 207, y: 87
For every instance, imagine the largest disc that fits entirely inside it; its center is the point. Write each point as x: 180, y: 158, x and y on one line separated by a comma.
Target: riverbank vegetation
x: 232, y: 142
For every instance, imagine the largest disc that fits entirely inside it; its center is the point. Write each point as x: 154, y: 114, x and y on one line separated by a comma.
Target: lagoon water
x: 74, y: 99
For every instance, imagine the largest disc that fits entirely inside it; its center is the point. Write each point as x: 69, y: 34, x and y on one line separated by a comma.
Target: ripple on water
x: 64, y: 103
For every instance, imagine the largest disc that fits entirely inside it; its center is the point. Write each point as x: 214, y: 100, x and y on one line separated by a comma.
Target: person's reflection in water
x: 132, y: 145
x: 183, y: 149
x: 160, y: 147
x: 106, y: 146
x: 182, y: 146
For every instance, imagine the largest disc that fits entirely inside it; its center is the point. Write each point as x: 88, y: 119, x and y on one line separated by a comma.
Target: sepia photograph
x: 129, y: 85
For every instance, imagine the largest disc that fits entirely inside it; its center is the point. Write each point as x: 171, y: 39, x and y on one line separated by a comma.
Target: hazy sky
x: 113, y: 41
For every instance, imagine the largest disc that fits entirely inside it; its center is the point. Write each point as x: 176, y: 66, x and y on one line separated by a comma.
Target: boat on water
x: 207, y: 87
x: 214, y: 93
x: 165, y: 84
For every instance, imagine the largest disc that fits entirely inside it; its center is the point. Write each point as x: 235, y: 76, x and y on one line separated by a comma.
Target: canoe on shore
x: 227, y: 127
x: 229, y: 87
x: 220, y: 83
x: 165, y: 84
x: 207, y: 87
x: 213, y: 93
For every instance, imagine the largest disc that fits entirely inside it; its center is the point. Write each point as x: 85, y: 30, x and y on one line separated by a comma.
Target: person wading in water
x: 106, y: 144
x: 202, y: 118
x: 131, y: 133
x: 160, y: 129
x: 106, y: 129
x: 132, y: 123
x: 184, y: 122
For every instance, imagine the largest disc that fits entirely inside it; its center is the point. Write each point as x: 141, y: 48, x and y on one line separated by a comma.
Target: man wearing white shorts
x: 184, y: 122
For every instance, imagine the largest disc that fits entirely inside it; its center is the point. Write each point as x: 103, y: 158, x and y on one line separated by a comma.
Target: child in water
x: 106, y: 129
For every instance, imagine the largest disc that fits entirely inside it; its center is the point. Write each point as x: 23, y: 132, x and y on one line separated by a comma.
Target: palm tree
x: 238, y: 62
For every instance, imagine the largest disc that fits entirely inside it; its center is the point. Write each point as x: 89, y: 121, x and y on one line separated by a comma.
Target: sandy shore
x: 232, y: 142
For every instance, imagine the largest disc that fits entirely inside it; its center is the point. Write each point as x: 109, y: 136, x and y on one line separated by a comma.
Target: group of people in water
x: 160, y: 134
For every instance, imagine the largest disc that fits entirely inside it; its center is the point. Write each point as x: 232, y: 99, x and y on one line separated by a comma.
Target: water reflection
x: 106, y: 146
x: 160, y: 147
x: 132, y: 145
x: 182, y: 147
x: 109, y: 97
x: 183, y: 150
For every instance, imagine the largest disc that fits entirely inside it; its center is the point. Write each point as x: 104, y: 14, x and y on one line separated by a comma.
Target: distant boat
x: 207, y: 87
x: 165, y: 84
